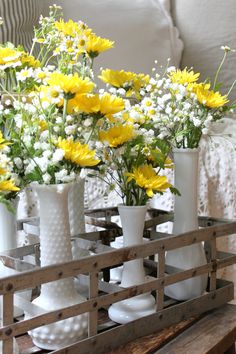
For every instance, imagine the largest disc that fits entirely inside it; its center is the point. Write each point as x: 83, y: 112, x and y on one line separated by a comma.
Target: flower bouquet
x: 51, y: 114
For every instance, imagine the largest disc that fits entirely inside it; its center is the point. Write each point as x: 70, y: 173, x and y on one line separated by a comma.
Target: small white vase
x: 132, y: 220
x: 7, y: 228
x: 55, y: 248
x: 186, y: 219
x: 8, y: 241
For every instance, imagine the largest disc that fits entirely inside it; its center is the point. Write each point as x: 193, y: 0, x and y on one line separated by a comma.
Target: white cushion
x: 142, y: 30
x: 205, y: 26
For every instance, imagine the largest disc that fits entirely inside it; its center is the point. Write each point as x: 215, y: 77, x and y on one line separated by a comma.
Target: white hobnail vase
x: 186, y: 219
x: 55, y: 247
x: 132, y: 221
x: 76, y: 207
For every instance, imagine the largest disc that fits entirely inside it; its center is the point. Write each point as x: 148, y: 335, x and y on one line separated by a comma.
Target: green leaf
x: 175, y: 191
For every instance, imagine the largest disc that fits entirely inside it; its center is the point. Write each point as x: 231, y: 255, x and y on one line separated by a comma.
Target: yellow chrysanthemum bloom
x: 3, y: 142
x: 145, y: 177
x: 77, y: 153
x: 9, y: 56
x: 117, y: 78
x: 106, y: 105
x: 3, y: 171
x: 125, y: 79
x: 96, y: 45
x: 71, y: 84
x: 117, y: 135
x: 42, y: 125
x: 30, y: 60
x: 69, y: 28
x: 208, y: 97
x: 183, y: 77
x: 157, y: 155
x: 8, y: 186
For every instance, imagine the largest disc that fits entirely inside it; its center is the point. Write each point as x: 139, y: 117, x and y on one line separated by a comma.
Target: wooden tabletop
x: 210, y: 333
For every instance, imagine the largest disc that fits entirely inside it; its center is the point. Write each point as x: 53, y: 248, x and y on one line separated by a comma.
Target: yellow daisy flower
x: 208, y: 97
x: 70, y: 84
x: 8, y: 186
x: 145, y: 177
x: 183, y: 76
x: 96, y: 45
x: 77, y: 153
x: 117, y: 135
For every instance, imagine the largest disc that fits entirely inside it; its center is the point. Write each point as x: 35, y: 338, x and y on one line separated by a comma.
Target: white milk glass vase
x: 76, y: 215
x: 7, y: 227
x: 186, y: 219
x: 55, y: 247
x: 76, y: 207
x: 132, y: 221
x: 8, y: 240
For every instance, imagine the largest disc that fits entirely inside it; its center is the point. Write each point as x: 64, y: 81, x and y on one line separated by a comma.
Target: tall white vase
x: 76, y: 207
x: 186, y: 219
x: 132, y: 220
x: 55, y: 248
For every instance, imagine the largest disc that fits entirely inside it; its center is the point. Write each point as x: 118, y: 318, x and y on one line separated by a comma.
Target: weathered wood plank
x: 215, y: 333
x: 7, y: 318
x: 160, y: 274
x: 213, y: 259
x: 93, y: 315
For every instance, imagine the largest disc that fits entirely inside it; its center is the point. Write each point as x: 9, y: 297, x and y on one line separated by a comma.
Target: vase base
x: 60, y: 334
x: 187, y: 289
x: 131, y: 309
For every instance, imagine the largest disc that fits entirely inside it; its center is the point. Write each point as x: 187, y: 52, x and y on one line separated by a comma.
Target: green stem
x: 64, y: 116
x: 218, y: 70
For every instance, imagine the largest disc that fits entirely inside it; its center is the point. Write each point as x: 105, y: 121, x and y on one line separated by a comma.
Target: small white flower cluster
x: 174, y: 111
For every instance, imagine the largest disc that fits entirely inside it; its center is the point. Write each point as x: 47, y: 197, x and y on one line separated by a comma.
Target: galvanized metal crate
x: 107, y: 335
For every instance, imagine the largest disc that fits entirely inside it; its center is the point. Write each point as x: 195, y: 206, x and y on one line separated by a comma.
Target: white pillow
x: 19, y: 19
x: 205, y: 26
x: 142, y: 30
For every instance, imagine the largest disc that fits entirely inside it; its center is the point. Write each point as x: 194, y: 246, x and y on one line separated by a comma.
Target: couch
x: 190, y: 33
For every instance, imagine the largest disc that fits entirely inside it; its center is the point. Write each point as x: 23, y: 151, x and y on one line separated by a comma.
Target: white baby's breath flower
x: 58, y: 155
x: 59, y: 176
x: 69, y: 119
x: 47, y: 178
x: 121, y: 91
x: 88, y: 122
x: 18, y: 162
x: 70, y: 129
x: 205, y: 131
